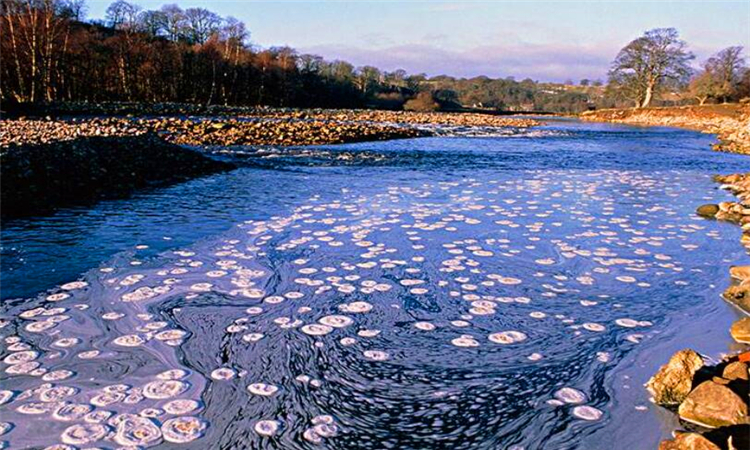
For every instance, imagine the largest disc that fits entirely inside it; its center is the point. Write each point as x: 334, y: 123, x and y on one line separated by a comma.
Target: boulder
x: 740, y: 330
x: 736, y: 371
x: 713, y: 405
x: 674, y: 380
x: 688, y: 441
x: 739, y: 295
x: 708, y: 210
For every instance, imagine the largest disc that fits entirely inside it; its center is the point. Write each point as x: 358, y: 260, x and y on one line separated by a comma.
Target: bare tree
x: 122, y: 15
x: 151, y: 22
x: 704, y: 86
x: 726, y: 67
x: 73, y: 9
x: 36, y: 31
x: 201, y: 24
x: 649, y: 63
x: 367, y: 77
x: 234, y: 30
x: 310, y: 64
x: 341, y: 71
x: 174, y: 21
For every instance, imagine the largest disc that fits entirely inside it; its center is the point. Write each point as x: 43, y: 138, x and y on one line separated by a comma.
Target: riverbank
x: 218, y: 125
x: 730, y: 122
x: 98, y: 153
x: 65, y: 166
x: 711, y: 400
x: 132, y: 109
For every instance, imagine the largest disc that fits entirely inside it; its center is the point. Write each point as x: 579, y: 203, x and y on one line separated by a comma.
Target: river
x: 500, y: 289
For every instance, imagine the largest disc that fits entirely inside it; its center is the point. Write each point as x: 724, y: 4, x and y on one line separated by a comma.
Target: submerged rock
x: 708, y: 210
x: 674, y: 380
x: 740, y: 330
x: 688, y: 441
x: 713, y: 405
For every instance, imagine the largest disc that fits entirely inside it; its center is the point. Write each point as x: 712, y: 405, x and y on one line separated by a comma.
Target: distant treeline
x: 51, y: 54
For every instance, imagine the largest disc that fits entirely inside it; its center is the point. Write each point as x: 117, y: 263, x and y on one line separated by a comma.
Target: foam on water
x: 449, y: 306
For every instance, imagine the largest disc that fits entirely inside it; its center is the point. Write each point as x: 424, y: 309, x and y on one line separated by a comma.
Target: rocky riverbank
x: 48, y: 163
x: 739, y: 213
x: 120, y: 109
x: 65, y: 166
x: 731, y: 122
x: 203, y: 131
x: 281, y: 133
x: 712, y: 400
x: 220, y: 125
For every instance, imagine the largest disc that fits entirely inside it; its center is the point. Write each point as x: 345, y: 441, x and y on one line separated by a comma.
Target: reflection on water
x: 462, y: 292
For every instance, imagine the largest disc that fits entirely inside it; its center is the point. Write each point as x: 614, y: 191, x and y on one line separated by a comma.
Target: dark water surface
x: 497, y: 289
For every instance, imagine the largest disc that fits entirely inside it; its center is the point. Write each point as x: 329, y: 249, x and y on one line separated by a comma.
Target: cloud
x: 448, y: 7
x: 538, y: 62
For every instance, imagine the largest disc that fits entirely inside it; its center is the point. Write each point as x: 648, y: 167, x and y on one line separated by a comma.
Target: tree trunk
x: 213, y: 83
x: 20, y: 95
x: 647, y: 97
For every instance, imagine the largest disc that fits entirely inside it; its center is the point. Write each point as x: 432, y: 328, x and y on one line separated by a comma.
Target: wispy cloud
x: 450, y: 7
x: 539, y: 62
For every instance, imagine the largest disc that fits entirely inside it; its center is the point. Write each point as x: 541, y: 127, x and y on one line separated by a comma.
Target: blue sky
x: 549, y: 40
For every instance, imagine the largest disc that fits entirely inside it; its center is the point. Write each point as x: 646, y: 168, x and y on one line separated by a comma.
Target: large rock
x: 740, y: 330
x: 739, y: 295
x: 674, y: 380
x: 713, y: 405
x: 688, y: 441
x: 708, y: 210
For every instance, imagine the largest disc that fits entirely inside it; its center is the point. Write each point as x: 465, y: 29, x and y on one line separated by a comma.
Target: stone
x: 740, y: 330
x: 708, y: 210
x: 725, y: 206
x: 712, y: 405
x: 688, y: 441
x: 740, y: 272
x: 674, y: 380
x: 736, y: 371
x: 739, y: 296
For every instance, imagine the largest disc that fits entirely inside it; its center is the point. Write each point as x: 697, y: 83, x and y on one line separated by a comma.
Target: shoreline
x: 51, y: 163
x: 711, y: 400
x: 729, y: 122
x: 37, y: 178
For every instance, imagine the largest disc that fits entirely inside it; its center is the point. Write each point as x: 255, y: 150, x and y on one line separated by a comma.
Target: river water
x: 486, y: 289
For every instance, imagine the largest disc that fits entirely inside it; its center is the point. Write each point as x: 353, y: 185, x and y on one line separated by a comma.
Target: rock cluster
x: 275, y: 132
x: 47, y: 163
x: 17, y: 132
x: 203, y: 132
x: 736, y: 212
x: 407, y: 117
x: 336, y: 115
x: 714, y: 398
x: 246, y: 126
x: 674, y: 381
x: 688, y: 441
x: 731, y: 123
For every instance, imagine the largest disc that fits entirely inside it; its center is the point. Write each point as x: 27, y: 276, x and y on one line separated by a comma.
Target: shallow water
x: 492, y: 289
